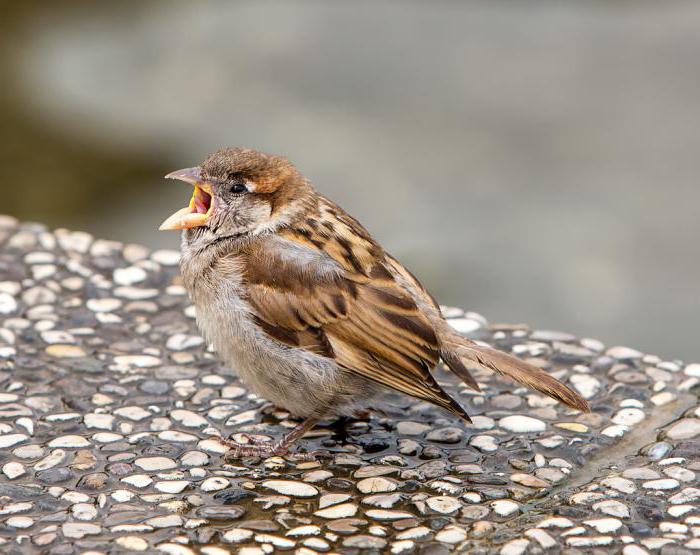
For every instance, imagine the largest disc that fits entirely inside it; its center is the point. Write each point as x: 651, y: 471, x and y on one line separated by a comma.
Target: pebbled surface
x: 111, y: 405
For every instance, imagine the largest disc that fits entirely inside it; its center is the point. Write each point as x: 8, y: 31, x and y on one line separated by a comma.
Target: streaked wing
x: 325, y: 286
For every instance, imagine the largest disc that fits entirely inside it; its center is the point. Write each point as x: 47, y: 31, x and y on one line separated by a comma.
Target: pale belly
x: 295, y: 379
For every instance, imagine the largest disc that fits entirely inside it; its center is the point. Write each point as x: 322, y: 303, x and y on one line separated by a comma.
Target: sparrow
x: 313, y: 314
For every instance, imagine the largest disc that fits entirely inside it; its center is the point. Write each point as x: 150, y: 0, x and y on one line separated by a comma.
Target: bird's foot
x: 261, y: 449
x: 257, y: 448
x: 251, y: 440
x: 242, y: 450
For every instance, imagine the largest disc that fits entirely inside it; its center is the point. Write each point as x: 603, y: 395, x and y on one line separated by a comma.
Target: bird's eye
x: 239, y: 188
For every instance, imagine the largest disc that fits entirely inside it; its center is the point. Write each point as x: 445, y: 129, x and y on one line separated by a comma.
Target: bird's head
x: 238, y: 192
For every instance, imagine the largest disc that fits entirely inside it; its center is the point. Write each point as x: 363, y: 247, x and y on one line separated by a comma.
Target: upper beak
x: 197, y: 213
x: 188, y: 175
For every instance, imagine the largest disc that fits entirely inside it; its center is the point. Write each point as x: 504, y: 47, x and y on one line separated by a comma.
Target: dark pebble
x: 339, y: 483
x: 329, y: 443
x: 433, y: 469
x: 436, y: 549
x: 117, y: 446
x: 671, y: 549
x: 491, y: 493
x: 259, y: 525
x: 163, y: 450
x: 231, y: 496
x: 431, y: 452
x: 77, y: 388
x: 60, y: 516
x: 639, y: 529
x: 54, y: 475
x: 373, y: 444
x: 205, y: 535
x: 19, y: 493
x: 154, y: 387
x: 93, y: 481
x: 47, y: 505
x: 464, y: 457
x: 650, y: 513
x: 410, y: 486
x: 519, y: 464
x: 232, y: 512
x: 119, y: 469
x: 62, y: 549
x: 571, y: 512
x: 688, y: 449
x: 123, y: 517
x: 87, y: 366
x: 439, y: 523
x: 25, y: 363
x: 346, y: 525
x: 485, y: 479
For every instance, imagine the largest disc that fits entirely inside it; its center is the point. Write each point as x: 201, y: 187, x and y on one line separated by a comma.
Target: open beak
x: 197, y: 213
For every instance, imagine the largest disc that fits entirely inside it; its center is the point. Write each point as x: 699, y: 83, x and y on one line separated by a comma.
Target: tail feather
x: 457, y: 366
x: 458, y: 353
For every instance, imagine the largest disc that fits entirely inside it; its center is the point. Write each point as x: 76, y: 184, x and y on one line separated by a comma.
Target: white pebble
x: 138, y: 480
x: 129, y: 276
x: 628, y: 417
x: 662, y: 484
x: 13, y: 470
x: 291, y: 488
x: 8, y: 304
x: 345, y: 510
x: 188, y: 418
x: 451, y: 535
x: 522, y: 424
x: 215, y: 483
x: 172, y: 486
x: 504, y: 507
x: 12, y: 439
x: 69, y: 441
x: 151, y: 464
x: 103, y: 305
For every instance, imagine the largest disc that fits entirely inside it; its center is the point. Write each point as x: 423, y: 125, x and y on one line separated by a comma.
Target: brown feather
x: 519, y: 370
x: 457, y: 366
x: 359, y: 315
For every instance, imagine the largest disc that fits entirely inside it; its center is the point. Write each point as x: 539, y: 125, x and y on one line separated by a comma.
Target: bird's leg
x: 238, y: 450
x: 297, y: 433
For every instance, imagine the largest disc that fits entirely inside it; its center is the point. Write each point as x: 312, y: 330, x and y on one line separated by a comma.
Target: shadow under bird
x: 312, y: 312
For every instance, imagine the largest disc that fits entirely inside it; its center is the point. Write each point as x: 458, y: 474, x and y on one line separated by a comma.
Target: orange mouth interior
x: 201, y: 201
x: 196, y: 214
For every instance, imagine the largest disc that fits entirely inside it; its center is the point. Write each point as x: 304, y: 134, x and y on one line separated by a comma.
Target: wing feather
x: 338, y: 298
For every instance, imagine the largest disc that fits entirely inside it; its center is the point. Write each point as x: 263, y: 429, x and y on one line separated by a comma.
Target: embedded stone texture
x: 111, y: 408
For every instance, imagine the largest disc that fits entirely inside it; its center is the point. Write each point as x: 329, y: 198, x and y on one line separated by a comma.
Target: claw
x: 258, y: 448
x: 266, y: 450
x: 253, y: 440
x: 253, y: 449
x: 311, y: 455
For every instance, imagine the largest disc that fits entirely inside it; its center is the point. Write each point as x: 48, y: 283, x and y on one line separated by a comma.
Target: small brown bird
x: 311, y: 311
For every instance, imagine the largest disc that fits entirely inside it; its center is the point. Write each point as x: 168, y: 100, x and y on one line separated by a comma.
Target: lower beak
x: 196, y: 214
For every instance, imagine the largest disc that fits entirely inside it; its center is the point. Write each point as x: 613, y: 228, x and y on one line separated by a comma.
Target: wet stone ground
x: 111, y: 406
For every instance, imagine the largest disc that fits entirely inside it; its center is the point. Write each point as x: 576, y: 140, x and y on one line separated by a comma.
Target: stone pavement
x: 111, y: 406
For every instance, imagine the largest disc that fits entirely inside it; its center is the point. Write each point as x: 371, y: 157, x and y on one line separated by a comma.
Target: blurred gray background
x: 536, y: 161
